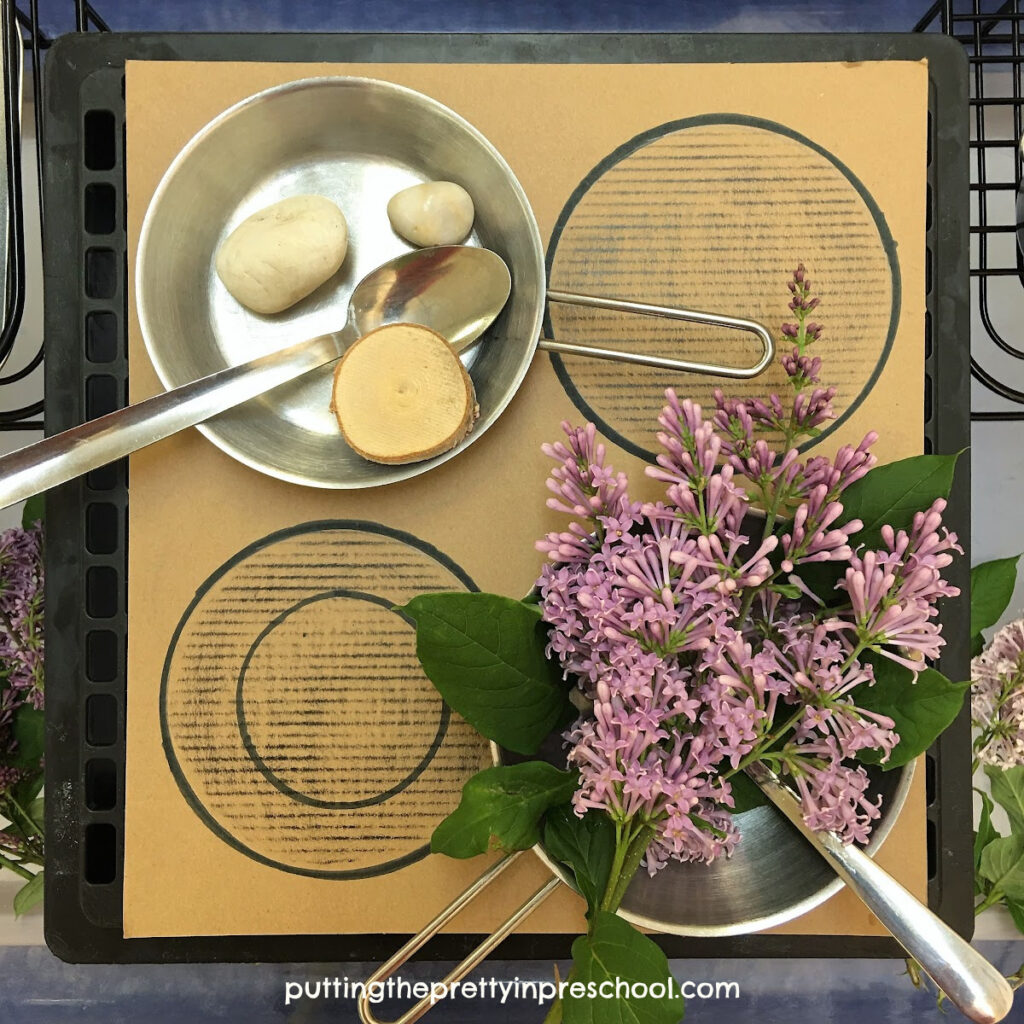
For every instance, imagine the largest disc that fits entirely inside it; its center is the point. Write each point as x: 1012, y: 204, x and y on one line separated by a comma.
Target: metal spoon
x: 972, y: 984
x: 457, y: 290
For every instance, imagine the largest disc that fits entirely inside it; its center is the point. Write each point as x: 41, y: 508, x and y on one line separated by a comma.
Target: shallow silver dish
x: 774, y: 875
x: 356, y: 141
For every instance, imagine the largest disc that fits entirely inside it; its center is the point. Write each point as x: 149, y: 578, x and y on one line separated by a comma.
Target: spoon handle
x: 970, y: 982
x: 70, y: 454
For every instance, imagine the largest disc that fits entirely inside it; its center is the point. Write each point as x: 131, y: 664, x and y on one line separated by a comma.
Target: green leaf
x: 921, y: 709
x: 821, y: 578
x: 485, y: 655
x: 28, y: 789
x: 507, y: 803
x: 986, y: 830
x: 28, y: 895
x: 983, y: 836
x: 29, y: 730
x: 977, y: 645
x: 1002, y: 863
x: 1016, y: 910
x: 35, y: 811
x: 612, y: 951
x: 992, y: 586
x: 790, y: 590
x: 586, y: 845
x: 747, y: 793
x: 33, y: 511
x: 892, y: 493
x: 1007, y: 786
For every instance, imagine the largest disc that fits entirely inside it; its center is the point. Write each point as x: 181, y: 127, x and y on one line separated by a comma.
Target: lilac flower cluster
x: 997, y: 699
x: 812, y: 403
x: 688, y: 625
x: 21, y: 634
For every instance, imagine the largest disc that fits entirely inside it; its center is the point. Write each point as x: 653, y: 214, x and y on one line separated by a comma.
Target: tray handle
x: 429, y: 931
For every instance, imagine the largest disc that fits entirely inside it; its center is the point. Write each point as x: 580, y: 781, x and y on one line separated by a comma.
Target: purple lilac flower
x: 924, y: 550
x: 644, y: 617
x: 810, y: 538
x: 833, y: 794
x: 734, y: 422
x: 835, y: 475
x: 800, y: 288
x: 893, y: 592
x: 903, y: 633
x: 997, y: 698
x: 811, y: 330
x: 584, y: 486
x: 801, y: 369
x: 8, y: 842
x: 771, y: 472
x: 706, y: 497
x: 21, y: 638
x: 691, y: 445
x: 812, y: 409
x: 770, y: 414
x: 630, y: 765
x: 816, y: 666
x: 686, y: 647
x: 9, y: 776
x: 741, y: 691
x: 734, y: 574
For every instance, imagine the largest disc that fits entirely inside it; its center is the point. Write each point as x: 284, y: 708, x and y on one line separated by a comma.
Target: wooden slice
x: 401, y: 394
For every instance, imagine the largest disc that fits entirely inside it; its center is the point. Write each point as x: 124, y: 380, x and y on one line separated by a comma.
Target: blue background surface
x: 35, y: 988
x: 494, y: 15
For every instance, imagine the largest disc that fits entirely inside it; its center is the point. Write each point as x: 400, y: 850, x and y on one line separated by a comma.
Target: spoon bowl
x: 456, y: 290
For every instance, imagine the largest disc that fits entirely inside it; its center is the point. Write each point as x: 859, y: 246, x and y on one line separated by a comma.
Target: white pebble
x: 283, y: 252
x: 435, y: 213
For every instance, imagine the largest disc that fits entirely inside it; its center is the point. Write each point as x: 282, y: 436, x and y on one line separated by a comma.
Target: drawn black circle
x: 268, y: 773
x: 643, y: 139
x: 177, y: 771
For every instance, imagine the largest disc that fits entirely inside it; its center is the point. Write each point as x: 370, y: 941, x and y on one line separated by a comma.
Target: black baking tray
x: 86, y: 375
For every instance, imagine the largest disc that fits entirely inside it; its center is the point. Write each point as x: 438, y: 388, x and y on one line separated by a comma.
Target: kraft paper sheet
x: 694, y: 185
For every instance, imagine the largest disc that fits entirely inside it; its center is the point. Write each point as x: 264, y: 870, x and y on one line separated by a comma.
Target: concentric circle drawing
x: 295, y: 744
x: 713, y: 213
x: 296, y: 719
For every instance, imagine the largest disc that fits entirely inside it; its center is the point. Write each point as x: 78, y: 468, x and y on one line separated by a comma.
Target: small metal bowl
x: 356, y: 141
x: 774, y: 875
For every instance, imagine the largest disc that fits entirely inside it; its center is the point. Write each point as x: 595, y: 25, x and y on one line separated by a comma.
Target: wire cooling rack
x: 20, y: 32
x: 990, y: 31
x: 993, y: 38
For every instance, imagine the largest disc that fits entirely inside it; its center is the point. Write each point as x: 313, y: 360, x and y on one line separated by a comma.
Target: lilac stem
x: 28, y: 822
x: 770, y: 739
x: 622, y: 839
x: 16, y: 868
x: 634, y: 854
